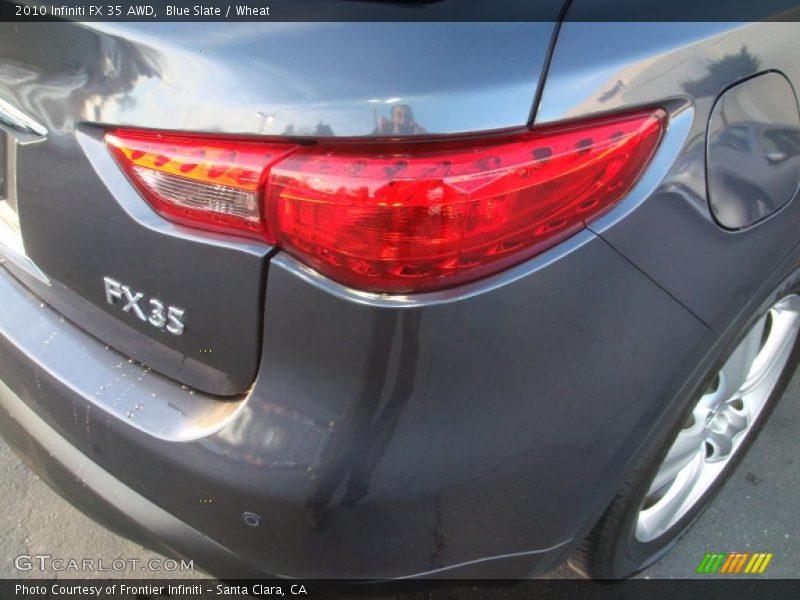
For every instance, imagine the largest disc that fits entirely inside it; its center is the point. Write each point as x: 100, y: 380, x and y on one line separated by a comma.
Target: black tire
x: 611, y: 550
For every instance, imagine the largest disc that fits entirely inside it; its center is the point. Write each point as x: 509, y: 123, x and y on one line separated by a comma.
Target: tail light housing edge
x: 397, y: 216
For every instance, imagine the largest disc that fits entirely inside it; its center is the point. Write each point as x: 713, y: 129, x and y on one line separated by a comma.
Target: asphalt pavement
x: 757, y: 511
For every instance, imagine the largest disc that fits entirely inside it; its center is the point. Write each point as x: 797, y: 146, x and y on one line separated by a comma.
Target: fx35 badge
x: 149, y: 310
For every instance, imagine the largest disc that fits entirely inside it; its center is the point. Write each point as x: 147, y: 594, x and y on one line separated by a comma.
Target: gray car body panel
x: 478, y: 431
x: 82, y: 220
x: 374, y: 403
x: 672, y: 236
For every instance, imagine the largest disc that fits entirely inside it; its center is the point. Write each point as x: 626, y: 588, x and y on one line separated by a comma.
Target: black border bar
x: 741, y: 588
x: 398, y: 10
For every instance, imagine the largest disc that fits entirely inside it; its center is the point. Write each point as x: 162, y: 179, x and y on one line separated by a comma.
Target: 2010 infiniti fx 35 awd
x: 377, y: 300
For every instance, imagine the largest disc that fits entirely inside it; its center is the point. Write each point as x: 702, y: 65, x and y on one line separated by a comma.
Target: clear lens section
x: 210, y: 183
x: 195, y: 195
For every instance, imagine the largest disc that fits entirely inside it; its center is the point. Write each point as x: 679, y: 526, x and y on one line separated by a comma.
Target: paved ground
x: 757, y: 511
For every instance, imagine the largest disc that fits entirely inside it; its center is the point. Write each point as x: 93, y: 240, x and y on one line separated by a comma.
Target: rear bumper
x: 101, y: 495
x: 469, y: 435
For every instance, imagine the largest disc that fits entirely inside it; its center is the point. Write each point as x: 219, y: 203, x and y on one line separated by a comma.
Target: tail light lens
x: 399, y: 216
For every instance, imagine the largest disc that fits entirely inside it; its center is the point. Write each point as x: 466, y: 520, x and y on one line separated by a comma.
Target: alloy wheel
x: 719, y: 422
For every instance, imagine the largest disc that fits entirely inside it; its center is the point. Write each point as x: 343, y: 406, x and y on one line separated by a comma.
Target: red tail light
x: 210, y: 183
x: 400, y: 216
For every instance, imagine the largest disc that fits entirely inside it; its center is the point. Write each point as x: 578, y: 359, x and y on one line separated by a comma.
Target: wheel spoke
x: 688, y: 443
x: 722, y: 444
x: 734, y: 372
x: 779, y: 343
x: 657, y: 519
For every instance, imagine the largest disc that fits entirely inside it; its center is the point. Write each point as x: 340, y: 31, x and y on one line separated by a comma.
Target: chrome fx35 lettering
x: 149, y: 310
